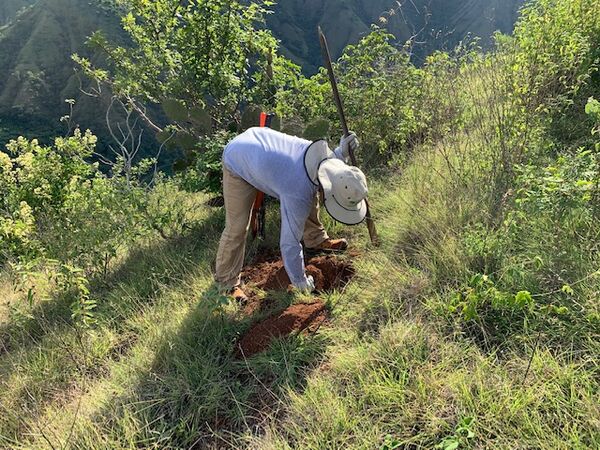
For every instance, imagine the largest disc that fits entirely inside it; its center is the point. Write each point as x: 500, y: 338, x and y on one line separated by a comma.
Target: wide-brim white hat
x: 345, y: 190
x: 315, y: 154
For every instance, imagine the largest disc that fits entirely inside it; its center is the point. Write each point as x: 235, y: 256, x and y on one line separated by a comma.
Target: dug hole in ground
x: 268, y: 274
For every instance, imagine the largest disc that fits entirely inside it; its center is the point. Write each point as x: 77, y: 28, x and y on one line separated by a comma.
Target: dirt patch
x: 329, y: 273
x: 256, y: 304
x: 304, y: 317
x: 268, y: 274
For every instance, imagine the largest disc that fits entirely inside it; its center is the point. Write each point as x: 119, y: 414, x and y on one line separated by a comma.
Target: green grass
x: 391, y: 368
x: 395, y: 367
x: 428, y: 347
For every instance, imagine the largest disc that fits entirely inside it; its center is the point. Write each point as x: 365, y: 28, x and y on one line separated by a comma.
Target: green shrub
x: 63, y: 206
x: 381, y: 90
x: 61, y: 216
x: 557, y: 60
x: 203, y: 172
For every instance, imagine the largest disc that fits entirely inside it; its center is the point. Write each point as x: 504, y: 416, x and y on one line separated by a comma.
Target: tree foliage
x: 381, y: 90
x: 203, y: 54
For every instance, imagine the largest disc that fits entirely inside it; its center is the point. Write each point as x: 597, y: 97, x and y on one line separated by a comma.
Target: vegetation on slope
x: 475, y: 325
x: 37, y: 73
x: 10, y: 8
x: 430, y: 24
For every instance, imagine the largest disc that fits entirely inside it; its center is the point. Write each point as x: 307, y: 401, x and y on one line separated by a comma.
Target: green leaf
x: 592, y: 107
x: 567, y: 290
x: 201, y: 120
x: 476, y: 280
x: 319, y: 129
x: 175, y: 110
x: 251, y: 117
x: 523, y: 298
x: 451, y: 445
x: 185, y: 140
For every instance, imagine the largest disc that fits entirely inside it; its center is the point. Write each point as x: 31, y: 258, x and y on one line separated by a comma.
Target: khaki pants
x: 239, y: 198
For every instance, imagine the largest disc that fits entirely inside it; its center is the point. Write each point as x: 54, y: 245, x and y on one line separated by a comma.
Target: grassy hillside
x: 476, y: 323
x: 389, y: 369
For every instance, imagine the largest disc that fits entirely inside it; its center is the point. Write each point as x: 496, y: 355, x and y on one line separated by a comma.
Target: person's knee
x: 235, y: 232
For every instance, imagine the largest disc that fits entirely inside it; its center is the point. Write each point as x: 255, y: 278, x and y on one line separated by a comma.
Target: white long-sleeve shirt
x: 273, y: 163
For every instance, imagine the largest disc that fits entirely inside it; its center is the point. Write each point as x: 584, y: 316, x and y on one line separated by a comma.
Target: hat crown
x: 350, y: 187
x: 344, y: 191
x: 316, y: 153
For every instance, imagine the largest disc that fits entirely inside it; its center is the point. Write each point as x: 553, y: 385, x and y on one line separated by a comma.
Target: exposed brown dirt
x: 256, y: 304
x: 304, y: 317
x: 329, y: 273
x: 268, y: 274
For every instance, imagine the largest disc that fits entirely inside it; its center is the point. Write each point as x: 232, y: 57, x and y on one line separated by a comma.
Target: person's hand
x: 348, y: 143
x: 307, y: 286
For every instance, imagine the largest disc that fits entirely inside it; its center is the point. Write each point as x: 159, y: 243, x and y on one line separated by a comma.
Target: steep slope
x: 438, y: 23
x: 10, y: 8
x: 37, y: 73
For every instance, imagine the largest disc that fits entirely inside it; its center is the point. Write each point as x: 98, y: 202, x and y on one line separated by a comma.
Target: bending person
x: 294, y: 171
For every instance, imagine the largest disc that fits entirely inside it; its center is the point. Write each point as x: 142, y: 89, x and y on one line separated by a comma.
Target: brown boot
x: 238, y: 294
x: 331, y: 245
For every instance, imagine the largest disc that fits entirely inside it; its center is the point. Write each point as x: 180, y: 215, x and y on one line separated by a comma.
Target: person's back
x: 271, y: 161
x: 290, y: 169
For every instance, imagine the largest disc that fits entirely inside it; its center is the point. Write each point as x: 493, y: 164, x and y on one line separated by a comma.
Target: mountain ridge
x: 37, y: 73
x: 435, y: 24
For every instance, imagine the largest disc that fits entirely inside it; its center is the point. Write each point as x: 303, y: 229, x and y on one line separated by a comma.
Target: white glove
x: 307, y: 286
x: 347, y: 143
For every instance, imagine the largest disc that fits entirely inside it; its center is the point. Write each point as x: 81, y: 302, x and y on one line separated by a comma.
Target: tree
x: 201, y: 60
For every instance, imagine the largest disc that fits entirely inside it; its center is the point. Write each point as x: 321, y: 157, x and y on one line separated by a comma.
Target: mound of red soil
x: 307, y: 317
x: 329, y: 273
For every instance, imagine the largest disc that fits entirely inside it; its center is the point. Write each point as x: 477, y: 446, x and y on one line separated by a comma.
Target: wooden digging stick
x: 340, y: 107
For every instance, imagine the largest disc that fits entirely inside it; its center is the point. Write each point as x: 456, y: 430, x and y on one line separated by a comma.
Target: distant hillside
x: 36, y: 70
x: 10, y: 8
x: 439, y: 23
x: 37, y: 74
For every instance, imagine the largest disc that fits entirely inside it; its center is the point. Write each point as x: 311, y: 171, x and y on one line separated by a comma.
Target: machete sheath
x: 259, y: 208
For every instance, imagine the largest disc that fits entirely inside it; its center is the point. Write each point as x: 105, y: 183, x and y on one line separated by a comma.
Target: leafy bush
x: 204, y: 173
x: 61, y: 215
x: 381, y: 91
x: 34, y: 181
x: 557, y: 60
x: 192, y: 68
x: 200, y: 53
x: 491, y: 313
x: 61, y: 206
x: 504, y: 195
x: 546, y: 248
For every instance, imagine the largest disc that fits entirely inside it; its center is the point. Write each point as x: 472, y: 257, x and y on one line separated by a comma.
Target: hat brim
x: 334, y: 209
x: 314, y: 155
